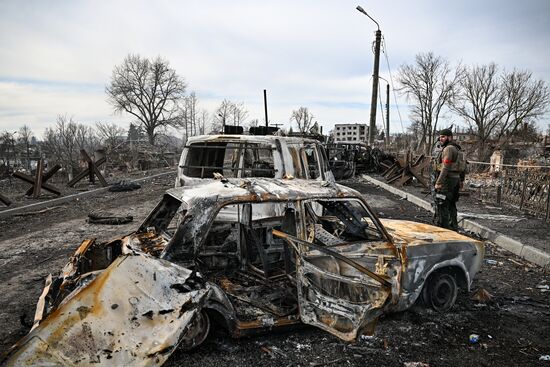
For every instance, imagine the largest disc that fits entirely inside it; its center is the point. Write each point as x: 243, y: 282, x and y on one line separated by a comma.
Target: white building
x: 353, y: 133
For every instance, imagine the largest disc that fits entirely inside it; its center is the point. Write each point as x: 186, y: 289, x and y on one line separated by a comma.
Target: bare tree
x: 147, y: 89
x: 221, y: 115
x: 430, y: 84
x: 494, y: 105
x: 303, y: 118
x: 110, y: 134
x: 64, y: 141
x: 481, y: 102
x: 526, y: 100
x: 229, y: 113
x: 239, y: 113
x: 25, y: 136
x: 253, y: 123
x: 135, y: 133
x: 7, y: 151
x: 203, y: 120
x: 189, y: 115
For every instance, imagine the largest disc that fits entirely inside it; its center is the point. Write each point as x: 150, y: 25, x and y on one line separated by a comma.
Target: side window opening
x: 165, y: 217
x: 203, y: 159
x: 258, y: 161
x: 335, y: 222
x: 241, y: 239
x: 297, y: 163
x: 220, y: 250
x: 311, y: 162
x: 264, y: 254
x: 229, y: 159
x: 258, y: 282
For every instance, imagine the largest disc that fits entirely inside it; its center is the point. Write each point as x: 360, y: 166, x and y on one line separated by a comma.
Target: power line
x: 392, y: 87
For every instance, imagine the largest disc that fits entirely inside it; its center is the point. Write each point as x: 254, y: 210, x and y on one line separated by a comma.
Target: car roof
x: 260, y: 190
x: 267, y: 139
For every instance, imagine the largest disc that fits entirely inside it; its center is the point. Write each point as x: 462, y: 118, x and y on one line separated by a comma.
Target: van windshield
x: 231, y: 159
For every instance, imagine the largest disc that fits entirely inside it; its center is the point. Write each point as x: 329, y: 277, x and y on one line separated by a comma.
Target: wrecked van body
x: 245, y: 156
x: 323, y: 259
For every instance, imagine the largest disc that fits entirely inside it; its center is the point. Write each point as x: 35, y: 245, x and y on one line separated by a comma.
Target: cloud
x: 57, y: 56
x: 39, y: 105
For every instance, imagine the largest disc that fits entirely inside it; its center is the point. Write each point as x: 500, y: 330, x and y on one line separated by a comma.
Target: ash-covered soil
x: 519, y: 225
x: 513, y: 327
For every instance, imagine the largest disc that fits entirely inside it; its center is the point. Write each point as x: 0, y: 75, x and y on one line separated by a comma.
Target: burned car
x: 321, y: 258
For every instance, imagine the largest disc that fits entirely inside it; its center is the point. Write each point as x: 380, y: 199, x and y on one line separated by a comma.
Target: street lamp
x: 364, y: 12
x: 374, y: 98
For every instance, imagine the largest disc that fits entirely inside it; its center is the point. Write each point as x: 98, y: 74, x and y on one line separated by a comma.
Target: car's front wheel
x: 197, y: 332
x: 440, y: 291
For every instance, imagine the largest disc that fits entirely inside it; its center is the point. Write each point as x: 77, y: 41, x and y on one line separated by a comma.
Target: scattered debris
x: 473, y: 338
x: 273, y: 351
x: 415, y: 364
x: 515, y: 262
x: 124, y: 186
x: 402, y: 171
x: 37, y: 212
x: 108, y: 218
x: 5, y: 200
x: 482, y: 296
x: 498, y: 217
x: 316, y: 364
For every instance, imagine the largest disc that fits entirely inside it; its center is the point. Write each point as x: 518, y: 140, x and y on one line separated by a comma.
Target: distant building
x: 351, y: 133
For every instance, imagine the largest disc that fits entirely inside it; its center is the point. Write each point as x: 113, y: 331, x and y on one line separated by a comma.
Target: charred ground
x: 512, y: 327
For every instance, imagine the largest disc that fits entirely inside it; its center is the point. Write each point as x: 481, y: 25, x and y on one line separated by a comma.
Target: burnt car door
x: 347, y: 269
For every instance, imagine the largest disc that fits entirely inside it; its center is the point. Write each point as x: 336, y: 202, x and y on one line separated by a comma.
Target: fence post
x: 499, y: 194
x: 524, y: 188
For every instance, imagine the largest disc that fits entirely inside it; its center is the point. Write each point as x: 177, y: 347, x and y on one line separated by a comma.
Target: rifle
x: 437, y: 198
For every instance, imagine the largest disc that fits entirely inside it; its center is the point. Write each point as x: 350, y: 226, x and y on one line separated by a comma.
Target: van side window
x: 296, y: 162
x: 203, y: 159
x: 258, y: 161
x: 311, y: 162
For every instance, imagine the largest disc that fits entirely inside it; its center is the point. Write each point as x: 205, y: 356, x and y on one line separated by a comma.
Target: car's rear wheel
x: 197, y: 332
x: 440, y: 291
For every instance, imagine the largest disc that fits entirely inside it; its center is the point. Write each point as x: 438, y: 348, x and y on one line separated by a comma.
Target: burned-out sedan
x: 250, y: 255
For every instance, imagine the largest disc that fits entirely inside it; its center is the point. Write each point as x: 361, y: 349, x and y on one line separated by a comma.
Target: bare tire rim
x: 443, y: 292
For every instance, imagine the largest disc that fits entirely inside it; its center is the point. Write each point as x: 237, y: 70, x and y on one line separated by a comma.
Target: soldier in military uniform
x: 450, y: 169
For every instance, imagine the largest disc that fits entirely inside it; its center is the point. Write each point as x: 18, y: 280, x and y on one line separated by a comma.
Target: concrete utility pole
x: 387, y: 122
x: 372, y: 125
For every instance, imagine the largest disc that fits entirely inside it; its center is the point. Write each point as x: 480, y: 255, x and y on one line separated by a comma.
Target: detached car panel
x: 134, y: 313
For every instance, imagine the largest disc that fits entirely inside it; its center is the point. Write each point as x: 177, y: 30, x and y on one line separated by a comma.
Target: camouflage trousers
x: 446, y: 213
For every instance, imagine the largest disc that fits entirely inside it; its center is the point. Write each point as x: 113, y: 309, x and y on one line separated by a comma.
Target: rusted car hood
x: 414, y: 233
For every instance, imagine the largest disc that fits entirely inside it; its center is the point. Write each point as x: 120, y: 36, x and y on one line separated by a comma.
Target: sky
x: 56, y: 57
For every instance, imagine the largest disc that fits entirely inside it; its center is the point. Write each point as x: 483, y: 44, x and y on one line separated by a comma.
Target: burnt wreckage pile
x: 404, y: 169
x: 250, y: 255
x: 349, y: 159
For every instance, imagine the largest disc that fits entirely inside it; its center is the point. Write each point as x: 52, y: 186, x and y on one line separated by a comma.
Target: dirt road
x: 513, y: 328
